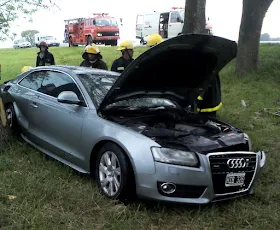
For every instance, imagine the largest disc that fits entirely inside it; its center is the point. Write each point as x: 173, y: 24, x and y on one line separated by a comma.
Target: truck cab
x: 101, y: 28
x: 168, y: 24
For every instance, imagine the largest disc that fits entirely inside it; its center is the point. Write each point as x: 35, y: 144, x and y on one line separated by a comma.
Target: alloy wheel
x: 110, y: 173
x: 9, y: 114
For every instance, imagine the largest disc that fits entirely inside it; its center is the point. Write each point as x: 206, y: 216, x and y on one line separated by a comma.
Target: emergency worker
x: 25, y: 68
x: 121, y: 63
x: 210, y: 100
x: 93, y: 58
x: 44, y: 57
x: 153, y: 40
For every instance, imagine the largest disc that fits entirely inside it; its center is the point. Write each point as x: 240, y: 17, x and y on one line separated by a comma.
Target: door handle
x: 34, y: 105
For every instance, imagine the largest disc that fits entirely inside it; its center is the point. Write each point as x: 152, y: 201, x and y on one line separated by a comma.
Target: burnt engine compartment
x: 183, y: 130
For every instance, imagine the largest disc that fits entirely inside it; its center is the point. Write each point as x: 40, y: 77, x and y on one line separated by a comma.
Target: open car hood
x: 175, y: 69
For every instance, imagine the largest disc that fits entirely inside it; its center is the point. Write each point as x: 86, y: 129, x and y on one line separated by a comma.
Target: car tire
x: 118, y: 176
x: 12, y: 123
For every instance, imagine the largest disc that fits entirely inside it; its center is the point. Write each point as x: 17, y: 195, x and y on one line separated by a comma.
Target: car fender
x: 135, y: 145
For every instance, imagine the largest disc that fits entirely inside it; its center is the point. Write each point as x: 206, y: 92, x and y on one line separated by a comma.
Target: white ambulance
x: 168, y: 24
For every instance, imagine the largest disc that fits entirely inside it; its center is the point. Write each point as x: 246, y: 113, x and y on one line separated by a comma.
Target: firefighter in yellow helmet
x: 93, y: 58
x: 121, y: 63
x: 25, y: 68
x: 153, y: 40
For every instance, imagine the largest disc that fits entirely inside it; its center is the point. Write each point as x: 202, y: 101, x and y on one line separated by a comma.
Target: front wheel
x: 115, y: 177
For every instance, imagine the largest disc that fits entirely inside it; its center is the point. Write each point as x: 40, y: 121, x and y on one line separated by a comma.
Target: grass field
x: 39, y: 193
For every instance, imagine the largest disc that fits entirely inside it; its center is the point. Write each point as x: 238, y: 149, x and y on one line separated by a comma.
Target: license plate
x: 235, y: 179
x: 109, y: 38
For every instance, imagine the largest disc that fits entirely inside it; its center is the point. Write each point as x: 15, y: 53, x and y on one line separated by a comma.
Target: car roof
x: 78, y: 70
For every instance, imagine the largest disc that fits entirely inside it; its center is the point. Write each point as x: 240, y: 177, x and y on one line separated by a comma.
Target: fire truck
x: 167, y: 23
x: 101, y: 28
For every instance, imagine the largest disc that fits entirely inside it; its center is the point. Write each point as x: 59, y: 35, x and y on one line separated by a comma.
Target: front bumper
x: 53, y: 44
x: 107, y: 38
x: 199, y: 185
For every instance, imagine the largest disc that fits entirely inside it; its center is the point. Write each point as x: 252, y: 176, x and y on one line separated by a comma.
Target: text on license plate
x: 235, y: 179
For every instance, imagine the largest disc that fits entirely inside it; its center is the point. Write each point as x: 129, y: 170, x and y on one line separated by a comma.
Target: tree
x: 194, y: 21
x: 253, y: 13
x: 13, y: 36
x: 29, y: 35
x: 10, y: 10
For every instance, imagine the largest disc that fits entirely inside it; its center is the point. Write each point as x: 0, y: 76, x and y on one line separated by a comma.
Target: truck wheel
x: 114, y: 43
x: 89, y: 40
x: 70, y: 42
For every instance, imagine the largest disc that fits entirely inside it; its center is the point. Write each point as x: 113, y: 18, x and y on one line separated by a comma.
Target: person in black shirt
x: 44, y: 57
x: 210, y: 100
x: 93, y: 58
x: 121, y: 63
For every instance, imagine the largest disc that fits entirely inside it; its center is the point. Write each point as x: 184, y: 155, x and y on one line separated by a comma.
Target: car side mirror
x: 179, y: 20
x: 69, y: 97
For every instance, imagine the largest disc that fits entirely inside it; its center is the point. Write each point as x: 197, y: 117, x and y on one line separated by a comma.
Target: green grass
x: 50, y: 195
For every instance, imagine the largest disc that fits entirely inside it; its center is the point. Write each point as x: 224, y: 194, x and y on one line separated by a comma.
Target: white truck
x: 166, y: 23
x: 50, y: 40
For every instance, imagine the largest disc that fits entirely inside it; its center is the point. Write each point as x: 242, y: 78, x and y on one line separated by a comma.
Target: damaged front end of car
x: 199, y: 159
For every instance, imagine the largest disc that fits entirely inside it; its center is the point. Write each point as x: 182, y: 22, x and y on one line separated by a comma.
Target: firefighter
x: 44, y: 57
x: 153, y: 40
x: 25, y: 68
x: 93, y: 58
x: 121, y: 63
x: 210, y: 100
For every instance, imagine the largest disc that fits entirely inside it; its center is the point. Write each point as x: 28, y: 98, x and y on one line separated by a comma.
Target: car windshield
x: 20, y: 41
x: 48, y: 38
x: 98, y: 86
x: 106, y: 22
x: 182, y: 14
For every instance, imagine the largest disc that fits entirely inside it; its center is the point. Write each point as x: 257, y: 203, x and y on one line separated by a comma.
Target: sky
x: 225, y: 16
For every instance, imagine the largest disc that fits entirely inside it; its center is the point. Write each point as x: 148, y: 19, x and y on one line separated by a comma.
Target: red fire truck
x: 101, y: 28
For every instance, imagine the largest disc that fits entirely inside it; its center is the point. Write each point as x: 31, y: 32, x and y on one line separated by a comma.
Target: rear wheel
x: 12, y: 122
x: 70, y: 42
x: 89, y: 40
x: 114, y: 43
x: 114, y: 174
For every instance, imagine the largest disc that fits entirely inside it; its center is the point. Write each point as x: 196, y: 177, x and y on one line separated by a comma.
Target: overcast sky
x: 225, y: 16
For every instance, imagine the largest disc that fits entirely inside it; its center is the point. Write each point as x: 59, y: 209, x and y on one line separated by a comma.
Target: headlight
x: 116, y: 34
x: 246, y: 137
x: 173, y: 156
x: 99, y: 34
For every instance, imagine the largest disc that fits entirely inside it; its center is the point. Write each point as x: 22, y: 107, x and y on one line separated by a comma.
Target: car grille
x: 109, y: 33
x: 220, y: 169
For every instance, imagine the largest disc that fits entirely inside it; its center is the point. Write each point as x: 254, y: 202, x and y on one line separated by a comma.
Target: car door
x: 175, y: 25
x: 58, y: 126
x: 24, y: 95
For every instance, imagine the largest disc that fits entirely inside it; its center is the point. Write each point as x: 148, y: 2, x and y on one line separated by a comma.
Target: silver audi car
x: 135, y: 131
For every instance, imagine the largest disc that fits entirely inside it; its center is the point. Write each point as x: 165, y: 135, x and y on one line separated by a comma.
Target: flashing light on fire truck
x: 100, y: 14
x: 177, y: 8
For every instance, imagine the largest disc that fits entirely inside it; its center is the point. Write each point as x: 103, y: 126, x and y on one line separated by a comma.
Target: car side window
x: 174, y: 17
x: 32, y: 81
x: 56, y: 82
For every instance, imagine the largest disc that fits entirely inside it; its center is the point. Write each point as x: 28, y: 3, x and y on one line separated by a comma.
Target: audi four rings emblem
x: 237, y: 163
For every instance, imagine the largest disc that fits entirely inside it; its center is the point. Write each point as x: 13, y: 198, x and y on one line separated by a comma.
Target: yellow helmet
x: 126, y: 45
x: 25, y: 68
x: 154, y: 39
x: 92, y: 49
